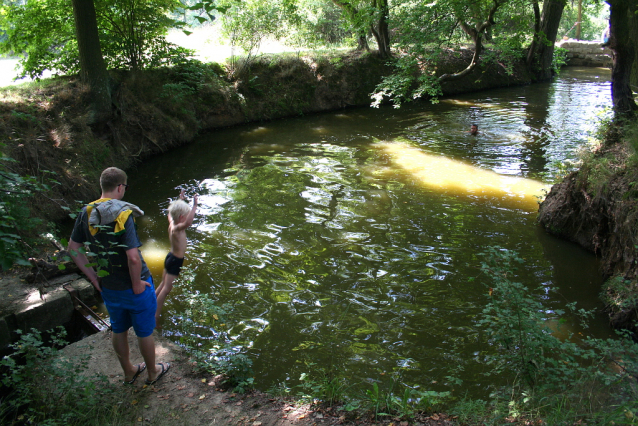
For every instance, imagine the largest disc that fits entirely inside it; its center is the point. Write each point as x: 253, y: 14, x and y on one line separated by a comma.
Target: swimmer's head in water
x: 474, y: 129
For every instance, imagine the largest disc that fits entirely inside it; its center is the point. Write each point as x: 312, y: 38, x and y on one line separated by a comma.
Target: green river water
x: 351, y: 240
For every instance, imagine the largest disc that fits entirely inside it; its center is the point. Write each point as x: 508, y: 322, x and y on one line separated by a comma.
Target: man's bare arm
x: 135, y: 270
x: 81, y: 261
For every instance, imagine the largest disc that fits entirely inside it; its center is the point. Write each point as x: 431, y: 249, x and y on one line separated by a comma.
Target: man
x: 474, y: 129
x: 107, y: 227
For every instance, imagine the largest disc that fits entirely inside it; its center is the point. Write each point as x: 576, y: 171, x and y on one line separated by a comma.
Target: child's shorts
x: 173, y: 264
x: 131, y: 310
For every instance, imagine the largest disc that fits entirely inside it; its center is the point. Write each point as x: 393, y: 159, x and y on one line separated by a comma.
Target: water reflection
x: 363, y: 256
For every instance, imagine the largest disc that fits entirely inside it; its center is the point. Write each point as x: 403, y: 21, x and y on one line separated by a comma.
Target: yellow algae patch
x: 154, y: 254
x: 457, y: 178
x: 468, y: 103
x: 257, y: 131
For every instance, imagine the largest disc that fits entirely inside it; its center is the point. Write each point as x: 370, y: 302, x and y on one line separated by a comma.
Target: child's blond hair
x: 178, y: 208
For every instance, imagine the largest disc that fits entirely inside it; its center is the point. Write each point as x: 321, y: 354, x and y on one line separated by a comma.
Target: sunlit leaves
x: 131, y: 34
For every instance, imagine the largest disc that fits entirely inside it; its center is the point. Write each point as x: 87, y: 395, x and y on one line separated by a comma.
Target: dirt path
x: 183, y: 397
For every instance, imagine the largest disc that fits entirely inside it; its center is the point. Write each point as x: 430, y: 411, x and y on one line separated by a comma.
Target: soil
x: 185, y: 397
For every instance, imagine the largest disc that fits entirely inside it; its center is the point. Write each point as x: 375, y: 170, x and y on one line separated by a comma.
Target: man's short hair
x: 178, y: 208
x: 111, y: 178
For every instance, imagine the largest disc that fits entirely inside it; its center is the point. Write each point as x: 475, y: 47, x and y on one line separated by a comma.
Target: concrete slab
x: 42, y: 306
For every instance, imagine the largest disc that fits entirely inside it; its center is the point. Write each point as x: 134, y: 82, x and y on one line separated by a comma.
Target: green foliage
x: 322, y: 387
x: 16, y: 224
x: 506, y: 50
x: 631, y: 137
x: 559, y: 59
x: 406, y: 84
x: 403, y: 403
x: 550, y: 378
x: 205, y: 338
x: 515, y: 323
x: 317, y: 23
x: 131, y: 34
x: 470, y: 411
x: 620, y: 294
x: 247, y: 24
x: 594, y: 19
x: 47, y: 388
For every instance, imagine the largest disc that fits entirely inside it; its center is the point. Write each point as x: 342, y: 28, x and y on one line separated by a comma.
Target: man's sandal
x: 160, y: 375
x: 140, y: 368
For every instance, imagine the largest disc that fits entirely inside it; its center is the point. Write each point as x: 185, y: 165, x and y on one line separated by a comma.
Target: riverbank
x: 597, y: 207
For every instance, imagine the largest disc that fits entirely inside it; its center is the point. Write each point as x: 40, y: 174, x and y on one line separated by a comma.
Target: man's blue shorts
x: 131, y: 310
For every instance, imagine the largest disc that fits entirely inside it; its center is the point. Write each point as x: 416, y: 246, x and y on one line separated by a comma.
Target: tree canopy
x: 131, y: 34
x: 416, y: 35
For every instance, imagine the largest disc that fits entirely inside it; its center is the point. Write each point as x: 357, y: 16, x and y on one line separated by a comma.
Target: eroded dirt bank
x: 50, y: 128
x: 597, y: 207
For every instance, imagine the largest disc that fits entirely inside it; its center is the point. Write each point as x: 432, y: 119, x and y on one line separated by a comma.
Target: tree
x: 633, y: 35
x: 581, y: 21
x: 476, y: 33
x: 622, y: 18
x: 131, y: 34
x: 379, y: 26
x: 369, y: 17
x: 541, y: 52
x: 426, y: 33
x: 92, y: 67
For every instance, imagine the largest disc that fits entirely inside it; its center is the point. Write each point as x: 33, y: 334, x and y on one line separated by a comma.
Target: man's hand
x: 96, y: 284
x: 140, y: 286
x: 79, y: 258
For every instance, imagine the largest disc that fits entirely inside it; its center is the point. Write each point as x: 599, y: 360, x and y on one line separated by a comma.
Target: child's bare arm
x: 189, y: 219
x: 191, y: 215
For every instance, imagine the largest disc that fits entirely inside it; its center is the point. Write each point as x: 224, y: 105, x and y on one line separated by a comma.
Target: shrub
x: 47, y: 388
x: 16, y: 223
x: 564, y: 380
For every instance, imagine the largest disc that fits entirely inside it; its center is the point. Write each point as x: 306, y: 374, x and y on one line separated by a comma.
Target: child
x: 180, y: 217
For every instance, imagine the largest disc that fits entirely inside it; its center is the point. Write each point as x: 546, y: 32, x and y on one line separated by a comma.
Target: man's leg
x: 147, y: 348
x: 120, y: 345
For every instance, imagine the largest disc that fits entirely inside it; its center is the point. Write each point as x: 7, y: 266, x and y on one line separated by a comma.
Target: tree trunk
x: 380, y: 28
x: 362, y: 43
x: 580, y: 19
x: 623, y: 52
x: 476, y: 34
x: 541, y: 53
x: 633, y: 36
x: 92, y: 67
x: 352, y: 13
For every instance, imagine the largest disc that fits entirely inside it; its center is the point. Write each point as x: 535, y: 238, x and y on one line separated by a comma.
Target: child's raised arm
x: 189, y: 219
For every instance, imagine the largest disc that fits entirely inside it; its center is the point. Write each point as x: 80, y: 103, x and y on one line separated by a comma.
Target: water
x: 351, y: 240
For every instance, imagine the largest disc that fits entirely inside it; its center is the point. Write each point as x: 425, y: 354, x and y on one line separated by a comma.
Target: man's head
x: 474, y: 129
x: 112, y: 179
x: 178, y: 208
